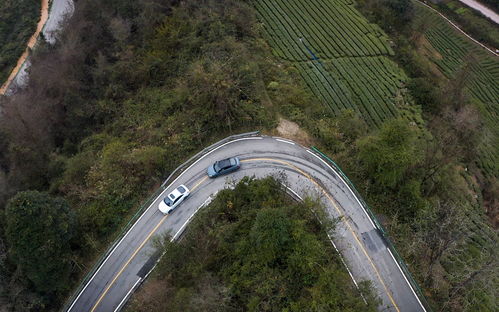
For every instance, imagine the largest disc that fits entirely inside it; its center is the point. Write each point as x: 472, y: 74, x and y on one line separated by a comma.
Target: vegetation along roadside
x: 144, y: 84
x: 253, y: 249
x: 471, y: 21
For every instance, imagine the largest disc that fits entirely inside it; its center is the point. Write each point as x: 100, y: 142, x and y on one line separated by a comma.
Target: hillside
x: 458, y: 59
x: 130, y: 93
x: 457, y: 56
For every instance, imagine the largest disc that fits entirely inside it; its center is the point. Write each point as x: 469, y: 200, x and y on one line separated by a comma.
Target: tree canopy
x: 388, y: 154
x: 38, y: 233
x: 254, y: 249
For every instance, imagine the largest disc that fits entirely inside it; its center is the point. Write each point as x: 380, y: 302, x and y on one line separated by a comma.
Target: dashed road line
x: 145, y: 212
x: 284, y: 141
x: 336, y: 248
x: 344, y: 182
x: 137, y: 250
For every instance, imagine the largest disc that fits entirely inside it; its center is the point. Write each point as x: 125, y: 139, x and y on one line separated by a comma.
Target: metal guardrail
x: 206, y: 150
x: 175, y: 173
x: 380, y: 227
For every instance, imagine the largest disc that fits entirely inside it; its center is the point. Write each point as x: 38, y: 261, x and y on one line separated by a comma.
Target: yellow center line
x: 339, y: 211
x: 128, y: 262
x: 136, y: 251
x: 204, y: 179
x: 199, y: 183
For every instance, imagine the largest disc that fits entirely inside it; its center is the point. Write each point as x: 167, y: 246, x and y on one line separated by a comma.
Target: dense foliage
x: 140, y: 85
x: 38, y: 232
x: 157, y: 81
x: 429, y: 204
x: 388, y: 156
x: 253, y: 249
x: 18, y: 19
x: 474, y: 77
x: 441, y: 203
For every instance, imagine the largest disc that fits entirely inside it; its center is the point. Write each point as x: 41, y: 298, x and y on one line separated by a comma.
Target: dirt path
x: 44, y: 14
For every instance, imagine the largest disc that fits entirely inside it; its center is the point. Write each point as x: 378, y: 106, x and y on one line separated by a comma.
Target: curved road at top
x: 305, y: 173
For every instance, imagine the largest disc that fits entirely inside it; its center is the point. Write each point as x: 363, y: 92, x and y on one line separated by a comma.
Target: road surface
x: 482, y: 9
x: 59, y: 9
x: 494, y: 51
x: 361, y: 246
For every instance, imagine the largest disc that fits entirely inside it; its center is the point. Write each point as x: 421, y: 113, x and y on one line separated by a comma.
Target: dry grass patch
x: 291, y: 130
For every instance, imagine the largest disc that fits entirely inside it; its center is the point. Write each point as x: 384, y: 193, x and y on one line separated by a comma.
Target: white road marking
x: 348, y: 270
x: 284, y: 141
x: 127, y: 294
x: 410, y: 286
x: 334, y: 245
x: 344, y: 182
x: 145, y: 212
x: 206, y: 202
x: 292, y: 191
x: 242, y: 139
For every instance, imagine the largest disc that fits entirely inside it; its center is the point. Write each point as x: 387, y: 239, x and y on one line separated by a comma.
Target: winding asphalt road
x: 357, y: 238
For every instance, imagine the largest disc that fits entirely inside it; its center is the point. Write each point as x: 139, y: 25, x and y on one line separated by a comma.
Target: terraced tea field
x: 345, y: 62
x: 449, y: 51
x: 340, y: 55
x: 453, y: 51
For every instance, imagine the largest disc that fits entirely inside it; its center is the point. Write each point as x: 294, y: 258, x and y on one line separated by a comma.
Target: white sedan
x: 170, y: 202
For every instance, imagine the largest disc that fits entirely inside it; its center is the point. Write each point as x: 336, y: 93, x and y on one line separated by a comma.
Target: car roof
x: 175, y: 194
x: 225, y: 163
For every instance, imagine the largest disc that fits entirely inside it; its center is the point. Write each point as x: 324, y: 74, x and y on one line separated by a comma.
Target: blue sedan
x: 223, y: 167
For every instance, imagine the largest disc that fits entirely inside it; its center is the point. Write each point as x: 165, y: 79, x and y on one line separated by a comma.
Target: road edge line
x: 213, y: 147
x: 380, y: 229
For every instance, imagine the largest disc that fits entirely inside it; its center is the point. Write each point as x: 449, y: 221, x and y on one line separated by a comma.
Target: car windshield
x: 223, y: 164
x: 168, y: 202
x: 181, y: 189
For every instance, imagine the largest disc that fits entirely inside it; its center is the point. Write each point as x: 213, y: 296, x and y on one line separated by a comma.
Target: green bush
x: 254, y: 249
x: 387, y: 156
x: 38, y: 231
